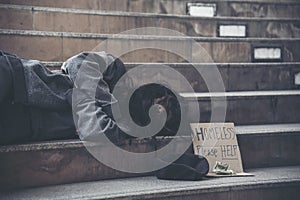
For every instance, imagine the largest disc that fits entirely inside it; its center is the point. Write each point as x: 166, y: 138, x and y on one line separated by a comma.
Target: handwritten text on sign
x: 217, y: 142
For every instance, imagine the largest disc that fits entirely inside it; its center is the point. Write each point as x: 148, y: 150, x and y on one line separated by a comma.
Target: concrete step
x: 58, y: 46
x: 75, y: 20
x: 68, y: 161
x: 249, y: 107
x: 267, y: 183
x: 249, y: 76
x: 247, y: 8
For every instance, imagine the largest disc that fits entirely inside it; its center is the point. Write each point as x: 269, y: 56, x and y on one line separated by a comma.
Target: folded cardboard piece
x: 217, y: 142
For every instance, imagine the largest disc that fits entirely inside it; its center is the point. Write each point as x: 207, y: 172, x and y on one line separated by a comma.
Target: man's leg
x: 5, y: 79
x: 14, y: 117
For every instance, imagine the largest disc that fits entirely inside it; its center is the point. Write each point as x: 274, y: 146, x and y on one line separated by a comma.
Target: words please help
x: 217, y: 142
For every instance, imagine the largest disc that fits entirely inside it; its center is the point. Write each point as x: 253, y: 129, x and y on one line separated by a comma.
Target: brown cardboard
x: 218, y: 142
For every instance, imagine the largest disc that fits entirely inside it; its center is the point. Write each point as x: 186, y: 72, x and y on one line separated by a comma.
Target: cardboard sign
x: 217, y: 142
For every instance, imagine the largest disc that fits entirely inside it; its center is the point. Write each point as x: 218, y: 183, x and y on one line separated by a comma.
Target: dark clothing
x: 36, y: 103
x: 145, y: 96
x: 189, y: 167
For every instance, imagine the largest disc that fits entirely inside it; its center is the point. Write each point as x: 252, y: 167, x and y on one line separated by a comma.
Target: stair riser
x: 58, y: 166
x: 254, y: 9
x: 248, y: 78
x: 255, y: 110
x: 241, y: 9
x: 68, y: 165
x: 59, y: 48
x: 72, y: 22
x: 262, y: 78
x: 267, y: 150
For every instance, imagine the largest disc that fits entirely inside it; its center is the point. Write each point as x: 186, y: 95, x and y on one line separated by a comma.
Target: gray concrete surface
x: 292, y: 129
x: 150, y: 187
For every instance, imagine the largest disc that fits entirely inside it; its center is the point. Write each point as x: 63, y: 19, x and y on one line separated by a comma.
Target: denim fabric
x: 40, y: 104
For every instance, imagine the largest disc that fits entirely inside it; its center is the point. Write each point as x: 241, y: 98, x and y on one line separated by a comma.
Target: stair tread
x: 274, y: 8
x: 241, y: 94
x: 137, y: 14
x: 150, y: 187
x: 58, y: 63
x: 293, y: 128
x: 138, y: 37
x: 62, y: 45
x: 268, y: 128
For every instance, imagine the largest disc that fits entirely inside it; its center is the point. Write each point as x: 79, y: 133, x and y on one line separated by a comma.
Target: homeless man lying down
x: 36, y: 103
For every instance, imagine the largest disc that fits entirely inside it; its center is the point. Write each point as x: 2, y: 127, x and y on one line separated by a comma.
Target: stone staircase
x: 235, y: 8
x: 268, y: 183
x: 263, y: 95
x: 60, y: 162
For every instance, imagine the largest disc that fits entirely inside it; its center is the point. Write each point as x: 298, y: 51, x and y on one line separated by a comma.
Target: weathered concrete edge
x: 136, y: 14
x: 259, y: 130
x: 222, y: 96
x: 179, y: 65
x: 284, y: 2
x: 139, y: 37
